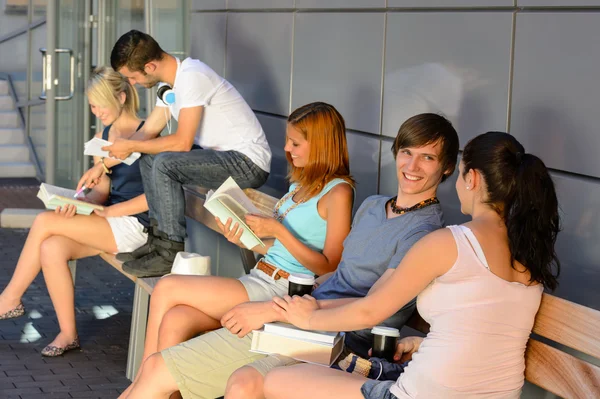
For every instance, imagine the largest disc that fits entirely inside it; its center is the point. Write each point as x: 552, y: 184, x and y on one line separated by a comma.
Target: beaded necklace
x: 401, y: 211
x: 276, y: 214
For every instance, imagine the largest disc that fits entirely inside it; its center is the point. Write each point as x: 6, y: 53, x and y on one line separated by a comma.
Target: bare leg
x: 55, y: 252
x: 310, y: 381
x: 154, y: 381
x: 245, y: 383
x: 210, y: 296
x: 49, y: 224
x: 181, y: 323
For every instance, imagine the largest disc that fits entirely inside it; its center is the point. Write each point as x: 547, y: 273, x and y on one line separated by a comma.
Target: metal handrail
x: 29, y: 142
x: 22, y: 31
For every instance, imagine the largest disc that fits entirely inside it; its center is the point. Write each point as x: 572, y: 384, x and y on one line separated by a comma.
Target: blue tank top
x: 305, y: 223
x: 126, y: 183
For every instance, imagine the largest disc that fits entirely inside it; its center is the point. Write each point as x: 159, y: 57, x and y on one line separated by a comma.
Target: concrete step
x: 17, y: 169
x: 11, y: 136
x: 9, y: 119
x: 14, y: 153
x: 6, y: 103
x: 21, y: 88
x: 16, y: 218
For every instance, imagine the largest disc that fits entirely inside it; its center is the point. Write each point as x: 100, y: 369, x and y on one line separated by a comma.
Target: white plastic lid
x: 386, y: 331
x: 303, y: 279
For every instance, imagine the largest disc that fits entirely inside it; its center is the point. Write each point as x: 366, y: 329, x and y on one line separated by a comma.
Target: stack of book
x: 317, y: 347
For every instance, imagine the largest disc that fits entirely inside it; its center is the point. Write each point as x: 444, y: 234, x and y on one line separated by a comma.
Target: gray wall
x: 529, y: 68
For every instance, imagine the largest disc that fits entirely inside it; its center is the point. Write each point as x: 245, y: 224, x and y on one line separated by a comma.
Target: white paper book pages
x: 229, y: 201
x: 305, y: 350
x: 94, y: 148
x: 289, y: 330
x: 54, y: 197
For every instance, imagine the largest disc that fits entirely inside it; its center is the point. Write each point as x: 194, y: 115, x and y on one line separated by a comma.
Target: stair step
x: 17, y: 169
x: 14, y: 153
x: 11, y: 136
x: 9, y: 119
x: 6, y: 103
x: 3, y: 87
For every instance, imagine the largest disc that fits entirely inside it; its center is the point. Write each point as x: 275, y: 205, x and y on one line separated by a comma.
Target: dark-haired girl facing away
x: 479, y: 286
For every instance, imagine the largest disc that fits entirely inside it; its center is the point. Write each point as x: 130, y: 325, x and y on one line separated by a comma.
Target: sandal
x: 54, y: 351
x: 18, y: 311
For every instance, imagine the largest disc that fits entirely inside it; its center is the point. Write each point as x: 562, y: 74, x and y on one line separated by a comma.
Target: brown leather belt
x: 270, y: 269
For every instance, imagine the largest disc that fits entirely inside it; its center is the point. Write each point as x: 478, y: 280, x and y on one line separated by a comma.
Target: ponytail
x: 532, y: 220
x: 521, y: 190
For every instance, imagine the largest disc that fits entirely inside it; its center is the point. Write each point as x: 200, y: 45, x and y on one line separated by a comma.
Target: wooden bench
x: 562, y: 329
x: 195, y: 197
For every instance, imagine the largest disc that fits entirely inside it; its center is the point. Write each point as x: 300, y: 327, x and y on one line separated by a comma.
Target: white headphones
x: 166, y: 94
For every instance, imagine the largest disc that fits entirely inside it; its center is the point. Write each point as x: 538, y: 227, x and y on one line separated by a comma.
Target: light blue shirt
x: 305, y: 223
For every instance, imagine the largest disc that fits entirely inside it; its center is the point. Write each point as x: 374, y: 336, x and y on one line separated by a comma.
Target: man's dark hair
x: 424, y: 129
x: 134, y: 50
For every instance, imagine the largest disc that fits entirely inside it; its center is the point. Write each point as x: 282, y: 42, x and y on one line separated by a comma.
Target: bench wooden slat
x: 560, y: 373
x: 148, y: 283
x: 112, y: 260
x: 570, y: 324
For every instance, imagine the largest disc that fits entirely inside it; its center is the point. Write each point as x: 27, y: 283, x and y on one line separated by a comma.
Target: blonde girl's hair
x: 105, y: 86
x: 324, y: 129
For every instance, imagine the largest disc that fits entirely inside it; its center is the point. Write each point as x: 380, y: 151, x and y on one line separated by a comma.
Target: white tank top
x: 480, y: 324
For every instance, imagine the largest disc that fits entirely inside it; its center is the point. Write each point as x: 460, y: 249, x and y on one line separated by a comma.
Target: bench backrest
x: 194, y: 208
x: 573, y: 327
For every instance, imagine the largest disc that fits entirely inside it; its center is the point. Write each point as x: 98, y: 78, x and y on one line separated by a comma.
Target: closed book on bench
x: 304, y: 348
x: 53, y: 197
x: 229, y: 201
x: 290, y: 330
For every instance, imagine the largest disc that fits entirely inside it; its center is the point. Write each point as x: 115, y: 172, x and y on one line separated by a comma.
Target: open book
x: 229, y: 201
x: 94, y: 148
x: 53, y: 197
x: 315, y: 347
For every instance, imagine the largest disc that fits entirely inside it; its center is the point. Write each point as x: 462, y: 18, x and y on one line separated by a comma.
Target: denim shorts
x: 373, y: 389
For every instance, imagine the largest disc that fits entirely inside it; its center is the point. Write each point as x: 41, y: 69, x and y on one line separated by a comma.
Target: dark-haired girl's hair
x: 521, y: 190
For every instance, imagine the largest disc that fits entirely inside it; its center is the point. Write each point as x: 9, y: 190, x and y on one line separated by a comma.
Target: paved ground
x: 19, y: 193
x: 103, y: 299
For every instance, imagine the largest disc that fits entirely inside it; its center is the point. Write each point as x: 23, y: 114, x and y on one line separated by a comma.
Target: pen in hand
x: 82, y: 189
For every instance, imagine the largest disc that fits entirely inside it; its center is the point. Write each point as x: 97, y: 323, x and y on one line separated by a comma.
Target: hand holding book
x: 263, y: 226
x: 230, y: 203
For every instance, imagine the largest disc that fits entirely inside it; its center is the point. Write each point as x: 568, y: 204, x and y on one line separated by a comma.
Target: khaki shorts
x: 202, y: 365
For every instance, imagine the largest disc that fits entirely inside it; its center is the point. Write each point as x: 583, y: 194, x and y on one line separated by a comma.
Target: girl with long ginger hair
x: 305, y: 234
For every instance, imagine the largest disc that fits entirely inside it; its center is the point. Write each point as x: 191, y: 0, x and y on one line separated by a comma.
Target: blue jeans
x: 373, y: 389
x: 165, y: 174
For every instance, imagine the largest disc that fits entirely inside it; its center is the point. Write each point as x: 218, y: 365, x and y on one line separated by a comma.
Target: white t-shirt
x: 228, y: 123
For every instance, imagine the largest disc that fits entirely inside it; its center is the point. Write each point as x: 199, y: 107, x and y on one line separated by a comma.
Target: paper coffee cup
x: 385, y: 340
x: 300, y: 284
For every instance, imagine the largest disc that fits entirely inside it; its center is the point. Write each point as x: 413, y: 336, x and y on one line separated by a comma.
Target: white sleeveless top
x: 480, y: 324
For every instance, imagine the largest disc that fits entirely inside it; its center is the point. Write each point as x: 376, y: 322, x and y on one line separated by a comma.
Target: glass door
x: 66, y: 65
x: 167, y: 21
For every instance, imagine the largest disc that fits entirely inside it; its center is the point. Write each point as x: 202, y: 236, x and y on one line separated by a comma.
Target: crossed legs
x: 52, y: 241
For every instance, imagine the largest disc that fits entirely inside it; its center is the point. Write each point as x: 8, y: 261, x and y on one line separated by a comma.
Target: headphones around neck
x: 166, y: 94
